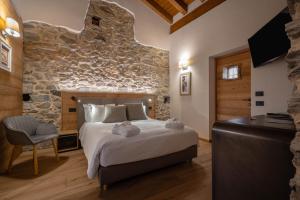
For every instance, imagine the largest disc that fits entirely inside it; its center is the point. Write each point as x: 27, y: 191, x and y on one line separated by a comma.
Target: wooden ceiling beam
x: 180, y: 5
x: 159, y: 10
x: 199, y: 11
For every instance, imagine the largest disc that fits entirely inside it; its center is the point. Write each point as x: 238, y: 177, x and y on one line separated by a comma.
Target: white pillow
x: 87, y: 112
x: 144, y: 108
x: 94, y: 113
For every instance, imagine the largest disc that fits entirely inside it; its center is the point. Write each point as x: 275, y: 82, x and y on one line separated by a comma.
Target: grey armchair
x: 25, y: 130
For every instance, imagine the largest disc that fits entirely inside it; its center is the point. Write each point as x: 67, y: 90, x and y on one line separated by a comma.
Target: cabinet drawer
x: 67, y: 142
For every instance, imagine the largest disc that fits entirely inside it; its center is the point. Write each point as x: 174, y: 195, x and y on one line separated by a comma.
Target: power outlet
x: 260, y: 103
x: 259, y: 93
x: 72, y: 109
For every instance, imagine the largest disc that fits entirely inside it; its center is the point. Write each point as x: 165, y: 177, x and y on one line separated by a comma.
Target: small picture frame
x: 185, y: 84
x: 5, y: 56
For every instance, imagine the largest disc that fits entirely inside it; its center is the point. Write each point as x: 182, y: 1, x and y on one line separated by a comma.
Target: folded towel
x: 126, y: 129
x: 173, y: 123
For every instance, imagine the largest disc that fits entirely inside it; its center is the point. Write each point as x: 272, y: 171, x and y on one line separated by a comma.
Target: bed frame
x: 111, y: 174
x: 115, y: 173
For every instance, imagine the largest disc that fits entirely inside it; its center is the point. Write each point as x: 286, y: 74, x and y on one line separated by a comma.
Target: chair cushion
x: 46, y: 129
x: 42, y: 138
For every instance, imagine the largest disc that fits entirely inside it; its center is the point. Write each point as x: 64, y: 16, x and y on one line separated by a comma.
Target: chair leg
x: 55, y: 148
x: 35, y: 160
x: 14, y: 153
x: 11, y: 159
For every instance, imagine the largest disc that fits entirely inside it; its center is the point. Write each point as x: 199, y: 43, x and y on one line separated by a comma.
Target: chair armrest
x: 46, y: 129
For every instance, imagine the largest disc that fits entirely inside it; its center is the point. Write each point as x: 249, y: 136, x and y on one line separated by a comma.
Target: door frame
x: 213, y: 83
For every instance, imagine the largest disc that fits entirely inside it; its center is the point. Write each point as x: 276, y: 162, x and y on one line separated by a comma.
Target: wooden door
x: 233, y: 97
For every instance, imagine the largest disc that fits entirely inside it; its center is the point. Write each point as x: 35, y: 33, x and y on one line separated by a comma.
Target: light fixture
x: 2, y: 24
x: 184, y: 64
x: 9, y: 27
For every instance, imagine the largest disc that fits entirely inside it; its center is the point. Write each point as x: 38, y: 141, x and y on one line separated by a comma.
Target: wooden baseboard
x: 204, y: 139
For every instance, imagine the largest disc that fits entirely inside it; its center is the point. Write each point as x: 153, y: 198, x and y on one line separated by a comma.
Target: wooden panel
x: 179, y: 5
x: 201, y: 10
x: 10, y: 83
x: 158, y: 9
x: 189, y: 1
x: 233, y: 97
x: 69, y: 119
x: 167, y: 6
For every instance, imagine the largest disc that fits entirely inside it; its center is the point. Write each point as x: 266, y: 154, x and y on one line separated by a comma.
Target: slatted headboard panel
x: 69, y: 111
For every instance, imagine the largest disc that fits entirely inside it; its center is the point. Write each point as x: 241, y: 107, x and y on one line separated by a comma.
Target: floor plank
x: 67, y: 179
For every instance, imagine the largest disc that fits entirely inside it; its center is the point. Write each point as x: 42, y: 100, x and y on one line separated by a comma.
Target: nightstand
x: 67, y: 140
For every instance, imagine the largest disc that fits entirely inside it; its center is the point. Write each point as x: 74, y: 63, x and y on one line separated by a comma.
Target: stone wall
x: 102, y: 57
x: 293, y: 58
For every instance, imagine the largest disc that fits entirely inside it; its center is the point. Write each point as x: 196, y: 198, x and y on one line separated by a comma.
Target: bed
x: 113, y: 158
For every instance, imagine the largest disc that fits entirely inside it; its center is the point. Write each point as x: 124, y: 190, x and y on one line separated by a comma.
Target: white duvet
x: 101, y: 147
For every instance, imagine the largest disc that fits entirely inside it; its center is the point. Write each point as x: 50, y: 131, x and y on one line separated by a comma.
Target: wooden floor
x: 67, y: 179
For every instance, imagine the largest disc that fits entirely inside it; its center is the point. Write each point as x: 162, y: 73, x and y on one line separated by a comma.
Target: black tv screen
x: 271, y: 41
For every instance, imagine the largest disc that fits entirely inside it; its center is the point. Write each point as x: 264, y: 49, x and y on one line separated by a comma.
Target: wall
x: 100, y: 58
x: 272, y: 79
x: 149, y: 28
x: 10, y: 83
x: 216, y: 32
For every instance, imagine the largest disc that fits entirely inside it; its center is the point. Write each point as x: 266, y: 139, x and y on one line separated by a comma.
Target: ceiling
x: 170, y: 6
x: 167, y: 9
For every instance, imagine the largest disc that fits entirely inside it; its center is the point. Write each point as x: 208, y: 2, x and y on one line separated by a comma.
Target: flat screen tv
x: 271, y: 41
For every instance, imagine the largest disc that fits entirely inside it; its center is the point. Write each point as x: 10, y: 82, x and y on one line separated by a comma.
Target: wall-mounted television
x: 271, y: 41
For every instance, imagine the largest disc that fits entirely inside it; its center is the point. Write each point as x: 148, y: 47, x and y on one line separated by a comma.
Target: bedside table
x: 67, y: 140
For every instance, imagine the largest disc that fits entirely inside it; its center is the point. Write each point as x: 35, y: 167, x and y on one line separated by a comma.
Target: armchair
x: 25, y: 130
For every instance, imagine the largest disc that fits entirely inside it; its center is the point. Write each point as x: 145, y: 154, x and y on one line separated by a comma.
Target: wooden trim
x: 204, y: 140
x: 159, y: 10
x: 201, y: 10
x: 179, y: 5
x: 68, y: 132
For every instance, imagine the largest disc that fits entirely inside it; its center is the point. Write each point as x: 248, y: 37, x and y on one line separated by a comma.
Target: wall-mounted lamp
x: 9, y: 27
x: 184, y: 64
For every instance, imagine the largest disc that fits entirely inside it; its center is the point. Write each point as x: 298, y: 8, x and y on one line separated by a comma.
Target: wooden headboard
x: 69, y: 103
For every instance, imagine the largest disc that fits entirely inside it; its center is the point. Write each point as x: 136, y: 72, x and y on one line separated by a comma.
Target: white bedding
x: 102, y: 147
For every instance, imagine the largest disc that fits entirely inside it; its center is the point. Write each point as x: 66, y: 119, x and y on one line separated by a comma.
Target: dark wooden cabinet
x: 67, y: 141
x: 252, y: 159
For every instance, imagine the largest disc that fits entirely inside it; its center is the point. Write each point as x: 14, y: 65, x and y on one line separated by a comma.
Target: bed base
x: 111, y: 174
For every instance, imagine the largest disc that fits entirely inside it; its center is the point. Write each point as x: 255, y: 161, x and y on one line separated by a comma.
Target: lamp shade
x: 12, y: 27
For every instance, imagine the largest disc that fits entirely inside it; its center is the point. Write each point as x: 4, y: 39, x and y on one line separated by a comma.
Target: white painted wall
x: 272, y: 79
x: 150, y: 29
x: 224, y: 28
